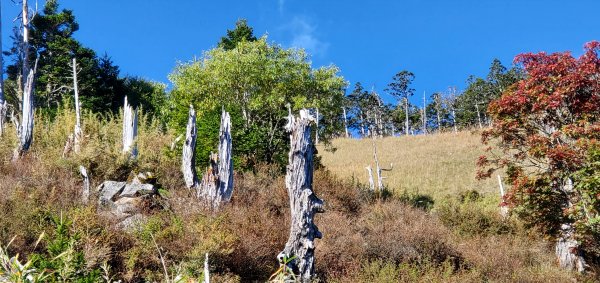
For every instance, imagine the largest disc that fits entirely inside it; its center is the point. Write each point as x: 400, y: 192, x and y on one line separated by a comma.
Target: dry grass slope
x: 438, y: 165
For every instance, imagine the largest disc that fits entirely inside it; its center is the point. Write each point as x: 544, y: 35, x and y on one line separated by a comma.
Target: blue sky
x: 442, y: 42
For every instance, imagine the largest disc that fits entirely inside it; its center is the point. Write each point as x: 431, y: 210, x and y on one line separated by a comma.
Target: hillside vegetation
x: 366, y: 238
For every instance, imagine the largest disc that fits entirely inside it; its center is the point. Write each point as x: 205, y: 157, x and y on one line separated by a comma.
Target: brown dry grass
x: 437, y: 165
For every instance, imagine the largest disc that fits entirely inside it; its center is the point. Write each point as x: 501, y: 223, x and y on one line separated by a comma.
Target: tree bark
x: 303, y: 202
x: 188, y: 157
x: 567, y: 248
x: 130, y: 120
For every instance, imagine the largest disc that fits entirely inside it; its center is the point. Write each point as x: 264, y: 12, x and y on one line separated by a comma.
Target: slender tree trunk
x: 3, y: 104
x: 317, y: 128
x: 454, y: 121
x: 77, y: 133
x: 188, y: 157
x: 345, y: 123
x: 25, y: 127
x: 503, y: 204
x: 362, y: 124
x: 303, y: 201
x: 130, y: 120
x: 424, y: 114
x: 406, y: 125
x: 377, y: 169
x: 478, y: 115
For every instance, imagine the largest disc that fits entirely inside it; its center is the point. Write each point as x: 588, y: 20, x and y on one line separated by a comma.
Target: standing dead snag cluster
x: 130, y: 121
x: 216, y: 185
x: 303, y: 202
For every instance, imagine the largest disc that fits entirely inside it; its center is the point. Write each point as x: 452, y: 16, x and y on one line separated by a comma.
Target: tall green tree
x: 255, y: 82
x: 401, y: 90
x: 241, y: 32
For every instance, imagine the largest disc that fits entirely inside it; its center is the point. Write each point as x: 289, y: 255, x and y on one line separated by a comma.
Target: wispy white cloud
x: 280, y: 6
x: 304, y: 35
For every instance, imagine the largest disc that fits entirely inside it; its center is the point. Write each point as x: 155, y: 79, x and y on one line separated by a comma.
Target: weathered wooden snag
x: 217, y: 182
x: 188, y: 158
x: 303, y: 202
x: 130, y: 120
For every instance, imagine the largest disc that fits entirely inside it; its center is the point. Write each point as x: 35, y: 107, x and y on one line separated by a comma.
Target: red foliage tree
x: 545, y: 127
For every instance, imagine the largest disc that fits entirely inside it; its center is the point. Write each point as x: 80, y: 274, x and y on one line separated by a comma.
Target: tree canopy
x: 255, y: 82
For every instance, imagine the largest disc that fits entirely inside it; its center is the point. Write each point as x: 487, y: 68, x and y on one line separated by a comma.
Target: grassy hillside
x: 437, y: 165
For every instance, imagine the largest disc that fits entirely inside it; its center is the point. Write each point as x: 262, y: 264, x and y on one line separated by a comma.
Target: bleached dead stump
x: 217, y: 182
x: 303, y: 202
x: 567, y: 248
x: 503, y: 203
x: 371, y: 182
x: 206, y: 271
x: 3, y: 111
x: 188, y: 158
x: 225, y: 160
x: 346, y: 123
x: 85, y: 194
x: 130, y: 121
x: 25, y: 126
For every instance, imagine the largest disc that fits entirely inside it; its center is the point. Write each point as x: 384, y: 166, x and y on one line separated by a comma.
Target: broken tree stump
x: 85, y: 194
x: 304, y: 204
x: 217, y: 182
x: 130, y: 121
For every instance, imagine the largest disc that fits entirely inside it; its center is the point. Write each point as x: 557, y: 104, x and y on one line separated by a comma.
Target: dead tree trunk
x: 188, y: 158
x: 478, y: 115
x: 77, y: 131
x: 424, y: 114
x: 317, y: 128
x: 130, y: 120
x: 25, y: 127
x: 206, y: 271
x: 503, y: 204
x: 371, y: 182
x: 3, y: 104
x: 567, y: 248
x: 85, y: 194
x: 454, y: 121
x: 217, y: 183
x: 303, y: 202
x: 345, y: 123
x: 406, y: 125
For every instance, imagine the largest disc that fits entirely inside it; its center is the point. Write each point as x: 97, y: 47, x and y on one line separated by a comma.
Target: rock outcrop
x: 127, y: 202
